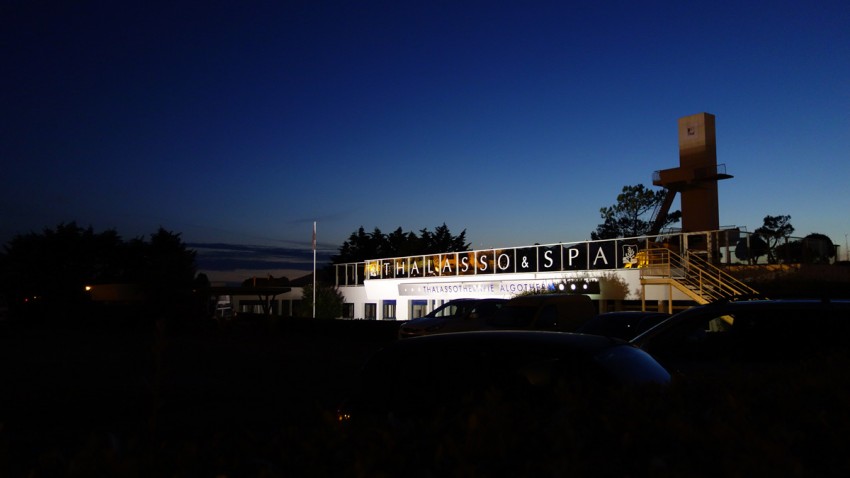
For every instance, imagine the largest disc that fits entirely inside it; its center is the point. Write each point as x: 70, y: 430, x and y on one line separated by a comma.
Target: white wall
x: 616, y: 284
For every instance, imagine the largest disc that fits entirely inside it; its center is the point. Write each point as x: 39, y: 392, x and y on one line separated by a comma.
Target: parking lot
x: 258, y: 399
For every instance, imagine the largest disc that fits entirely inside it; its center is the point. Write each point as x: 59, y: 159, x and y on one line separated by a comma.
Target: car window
x: 648, y: 322
x: 446, y: 311
x: 702, y: 337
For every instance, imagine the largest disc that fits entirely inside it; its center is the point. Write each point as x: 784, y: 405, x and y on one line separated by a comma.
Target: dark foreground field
x: 257, y: 399
x: 155, y: 399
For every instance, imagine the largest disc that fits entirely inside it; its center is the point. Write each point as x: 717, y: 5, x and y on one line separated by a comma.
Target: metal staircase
x: 659, y: 215
x: 691, y: 274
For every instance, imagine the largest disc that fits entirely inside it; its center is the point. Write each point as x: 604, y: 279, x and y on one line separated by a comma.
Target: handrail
x: 693, y: 275
x: 733, y: 286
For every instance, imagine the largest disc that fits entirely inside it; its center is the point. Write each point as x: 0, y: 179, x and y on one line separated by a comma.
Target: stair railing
x: 693, y: 275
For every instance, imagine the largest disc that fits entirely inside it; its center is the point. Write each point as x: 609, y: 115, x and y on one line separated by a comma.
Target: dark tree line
x: 773, y: 239
x: 362, y: 245
x: 49, y: 270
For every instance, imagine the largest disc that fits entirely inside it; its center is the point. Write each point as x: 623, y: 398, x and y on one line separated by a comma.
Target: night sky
x: 238, y: 124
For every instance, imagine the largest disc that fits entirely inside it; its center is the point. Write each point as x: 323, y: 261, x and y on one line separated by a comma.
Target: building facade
x: 608, y: 271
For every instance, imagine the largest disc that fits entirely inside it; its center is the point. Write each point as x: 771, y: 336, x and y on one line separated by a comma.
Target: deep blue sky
x: 241, y: 123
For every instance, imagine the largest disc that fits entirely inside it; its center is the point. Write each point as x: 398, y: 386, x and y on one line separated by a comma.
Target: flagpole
x: 314, y: 269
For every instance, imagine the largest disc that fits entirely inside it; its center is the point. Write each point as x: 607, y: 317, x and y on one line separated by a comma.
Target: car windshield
x: 463, y: 309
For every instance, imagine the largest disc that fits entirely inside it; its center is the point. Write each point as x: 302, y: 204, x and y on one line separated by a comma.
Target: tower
x: 696, y: 177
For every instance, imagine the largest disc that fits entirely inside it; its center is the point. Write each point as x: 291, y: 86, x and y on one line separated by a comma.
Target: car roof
x: 465, y: 300
x: 536, y: 298
x: 744, y: 306
x: 802, y: 301
x: 630, y: 314
x: 767, y: 304
x: 528, y: 337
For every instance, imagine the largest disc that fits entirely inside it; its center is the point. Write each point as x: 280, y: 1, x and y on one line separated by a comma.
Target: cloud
x: 223, y: 257
x: 238, y: 276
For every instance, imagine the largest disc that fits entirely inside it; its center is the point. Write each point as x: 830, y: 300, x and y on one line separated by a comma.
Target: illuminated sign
x: 499, y: 287
x: 591, y: 255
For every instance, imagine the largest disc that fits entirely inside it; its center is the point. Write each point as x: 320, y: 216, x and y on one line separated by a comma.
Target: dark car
x: 454, y: 373
x: 624, y: 325
x: 723, y: 339
x: 555, y: 312
x: 454, y: 316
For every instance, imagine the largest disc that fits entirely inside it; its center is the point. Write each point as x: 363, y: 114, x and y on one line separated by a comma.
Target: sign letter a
x: 600, y: 254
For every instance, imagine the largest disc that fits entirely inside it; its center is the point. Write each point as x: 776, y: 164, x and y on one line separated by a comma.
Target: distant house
x: 261, y: 295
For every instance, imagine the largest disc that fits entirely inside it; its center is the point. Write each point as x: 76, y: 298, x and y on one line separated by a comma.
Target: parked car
x: 555, y: 312
x: 453, y: 373
x: 624, y: 325
x: 454, y: 316
x: 748, y: 337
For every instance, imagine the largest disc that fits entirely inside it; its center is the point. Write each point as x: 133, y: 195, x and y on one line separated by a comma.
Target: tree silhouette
x: 774, y: 230
x: 329, y: 302
x: 750, y: 250
x: 47, y: 272
x: 169, y: 270
x: 630, y: 216
x: 813, y: 249
x: 53, y: 267
x: 362, y: 246
x: 442, y: 240
x: 400, y: 244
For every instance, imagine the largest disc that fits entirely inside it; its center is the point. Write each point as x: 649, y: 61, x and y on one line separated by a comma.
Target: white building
x: 648, y: 273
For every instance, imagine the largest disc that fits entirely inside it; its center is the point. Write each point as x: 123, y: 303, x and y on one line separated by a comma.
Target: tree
x: 818, y: 248
x: 329, y: 301
x: 55, y: 265
x: 362, y: 246
x: 629, y: 217
x: 774, y: 230
x: 751, y: 249
x: 399, y: 244
x: 813, y: 249
x: 169, y: 270
x: 442, y: 240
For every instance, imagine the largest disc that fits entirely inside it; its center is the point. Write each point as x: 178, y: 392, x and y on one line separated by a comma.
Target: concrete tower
x: 696, y: 177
